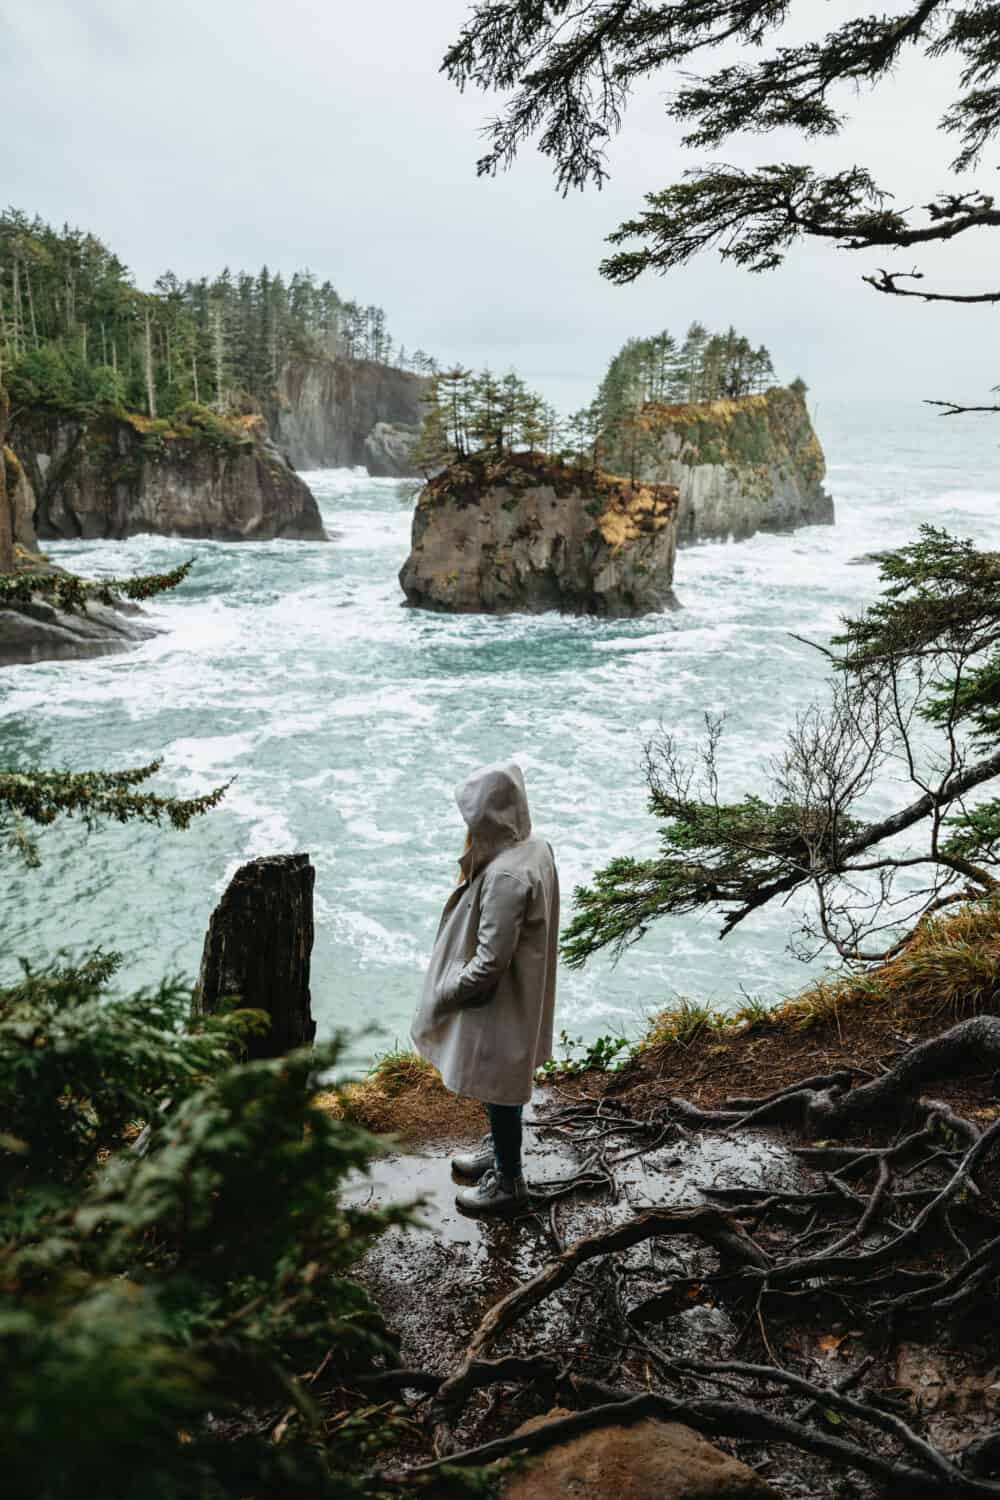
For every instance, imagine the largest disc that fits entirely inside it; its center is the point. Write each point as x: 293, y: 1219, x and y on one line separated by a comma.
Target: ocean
x: 347, y: 719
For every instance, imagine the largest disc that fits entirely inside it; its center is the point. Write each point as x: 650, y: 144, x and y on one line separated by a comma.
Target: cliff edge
x: 749, y: 464
x: 195, y: 475
x: 521, y: 532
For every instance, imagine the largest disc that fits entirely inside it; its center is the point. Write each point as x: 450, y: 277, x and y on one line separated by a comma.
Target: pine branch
x: 70, y: 592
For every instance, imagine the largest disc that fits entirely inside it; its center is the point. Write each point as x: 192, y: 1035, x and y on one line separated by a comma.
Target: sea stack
x: 741, y: 465
x: 519, y: 532
x: 197, y: 474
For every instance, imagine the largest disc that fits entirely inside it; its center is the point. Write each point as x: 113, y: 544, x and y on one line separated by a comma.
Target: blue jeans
x: 505, y: 1128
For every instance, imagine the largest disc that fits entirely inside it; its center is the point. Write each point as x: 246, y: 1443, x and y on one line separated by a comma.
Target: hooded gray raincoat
x: 486, y: 1012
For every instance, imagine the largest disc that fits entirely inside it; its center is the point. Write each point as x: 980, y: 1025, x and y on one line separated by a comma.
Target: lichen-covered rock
x: 6, y: 508
x: 524, y: 533
x: 327, y: 408
x: 194, y: 475
x: 740, y: 466
x: 651, y: 1460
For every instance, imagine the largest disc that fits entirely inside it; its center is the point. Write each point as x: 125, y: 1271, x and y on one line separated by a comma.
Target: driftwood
x: 257, y: 951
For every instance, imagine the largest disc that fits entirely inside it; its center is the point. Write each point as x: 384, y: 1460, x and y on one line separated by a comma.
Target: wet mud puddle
x: 435, y: 1283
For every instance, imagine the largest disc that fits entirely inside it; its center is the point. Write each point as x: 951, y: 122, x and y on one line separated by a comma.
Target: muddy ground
x: 621, y: 1318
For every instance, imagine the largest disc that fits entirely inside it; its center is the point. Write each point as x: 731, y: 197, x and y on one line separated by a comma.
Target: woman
x: 485, y: 1016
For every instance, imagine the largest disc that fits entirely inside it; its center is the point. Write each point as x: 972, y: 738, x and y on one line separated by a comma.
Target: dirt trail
x: 434, y: 1284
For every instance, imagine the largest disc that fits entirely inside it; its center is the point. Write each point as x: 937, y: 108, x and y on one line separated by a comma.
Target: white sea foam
x: 348, y: 721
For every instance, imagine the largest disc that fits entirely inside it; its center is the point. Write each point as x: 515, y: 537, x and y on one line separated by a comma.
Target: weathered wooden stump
x: 257, y: 951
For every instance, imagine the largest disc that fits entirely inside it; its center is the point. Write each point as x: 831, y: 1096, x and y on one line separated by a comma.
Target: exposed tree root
x: 827, y: 1105
x: 891, y: 1234
x: 714, y: 1418
x: 705, y: 1223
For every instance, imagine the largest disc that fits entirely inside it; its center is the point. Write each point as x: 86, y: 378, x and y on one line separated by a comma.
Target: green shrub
x: 604, y: 1055
x: 163, y: 1309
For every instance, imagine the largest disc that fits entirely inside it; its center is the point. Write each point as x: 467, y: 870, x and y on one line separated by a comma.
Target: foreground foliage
x: 70, y: 591
x: 171, y: 1316
x: 568, y: 73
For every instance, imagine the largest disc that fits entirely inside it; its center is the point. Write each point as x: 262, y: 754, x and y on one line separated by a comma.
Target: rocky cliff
x: 195, y: 475
x: 32, y: 628
x: 524, y: 533
x: 740, y: 466
x: 330, y: 412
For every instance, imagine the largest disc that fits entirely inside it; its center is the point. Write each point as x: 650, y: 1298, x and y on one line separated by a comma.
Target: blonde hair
x: 465, y: 849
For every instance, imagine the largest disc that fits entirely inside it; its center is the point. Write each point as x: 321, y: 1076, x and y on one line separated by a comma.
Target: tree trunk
x: 148, y: 362
x: 257, y: 951
x: 6, y: 512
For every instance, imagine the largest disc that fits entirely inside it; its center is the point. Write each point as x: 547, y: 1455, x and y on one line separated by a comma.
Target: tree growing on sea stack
x: 569, y: 75
x: 467, y: 413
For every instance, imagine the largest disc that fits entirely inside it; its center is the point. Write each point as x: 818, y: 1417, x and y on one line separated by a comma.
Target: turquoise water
x: 346, y: 720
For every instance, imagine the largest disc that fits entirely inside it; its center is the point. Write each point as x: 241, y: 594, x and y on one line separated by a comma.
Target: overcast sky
x: 318, y: 133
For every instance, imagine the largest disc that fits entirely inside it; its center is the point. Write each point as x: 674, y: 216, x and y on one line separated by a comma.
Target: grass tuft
x: 402, y: 1095
x: 950, y: 967
x: 680, y: 1025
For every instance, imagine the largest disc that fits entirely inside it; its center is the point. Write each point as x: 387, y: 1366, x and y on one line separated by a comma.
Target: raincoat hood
x: 494, y: 804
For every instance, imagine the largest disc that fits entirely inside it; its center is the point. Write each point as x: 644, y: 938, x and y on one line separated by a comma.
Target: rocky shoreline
x: 641, y: 1279
x: 197, y: 475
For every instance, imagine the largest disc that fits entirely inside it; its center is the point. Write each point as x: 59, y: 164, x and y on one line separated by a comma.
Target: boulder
x: 523, y: 533
x: 651, y: 1460
x: 37, y: 631
x: 327, y: 408
x: 388, y: 448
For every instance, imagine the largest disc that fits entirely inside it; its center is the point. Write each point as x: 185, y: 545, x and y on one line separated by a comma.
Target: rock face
x: 650, y: 1460
x: 387, y: 450
x: 6, y: 505
x: 528, y: 534
x: 740, y: 466
x: 329, y: 412
x: 21, y: 500
x: 36, y: 630
x: 195, y: 476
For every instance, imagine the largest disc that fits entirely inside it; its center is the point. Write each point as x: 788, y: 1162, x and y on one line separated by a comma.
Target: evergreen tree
x: 76, y: 334
x: 916, y: 683
x: 434, y: 448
